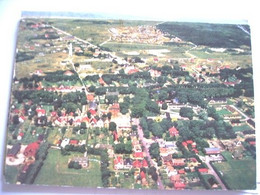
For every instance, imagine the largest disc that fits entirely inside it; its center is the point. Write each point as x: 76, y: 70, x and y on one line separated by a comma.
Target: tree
x: 186, y: 112
x: 154, y: 150
x: 164, y: 106
x: 152, y: 107
x: 112, y: 126
x: 16, y: 120
x: 92, y: 88
x: 157, y: 130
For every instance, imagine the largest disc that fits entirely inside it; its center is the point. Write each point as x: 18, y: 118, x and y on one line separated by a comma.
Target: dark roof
x: 14, y: 150
x: 128, y: 161
x: 92, y: 105
x: 212, y: 150
x: 251, y: 122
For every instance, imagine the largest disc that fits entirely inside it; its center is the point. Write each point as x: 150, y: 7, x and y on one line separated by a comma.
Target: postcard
x: 131, y: 104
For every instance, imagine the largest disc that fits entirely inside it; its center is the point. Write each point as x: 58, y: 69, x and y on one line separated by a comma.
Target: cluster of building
x: 139, y: 34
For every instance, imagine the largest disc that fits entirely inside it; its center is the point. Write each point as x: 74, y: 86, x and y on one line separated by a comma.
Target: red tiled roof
x: 142, y: 174
x: 132, y: 71
x: 138, y: 155
x: 179, y: 185
x: 41, y: 111
x: 181, y: 171
x: 90, y: 97
x: 118, y: 160
x: 252, y: 142
x: 93, y: 112
x: 85, y: 119
x: 189, y: 141
x: 31, y: 149
x: 145, y: 163
x: 137, y: 164
x: 68, y: 73
x: 203, y: 170
x: 173, y: 131
x: 74, y: 142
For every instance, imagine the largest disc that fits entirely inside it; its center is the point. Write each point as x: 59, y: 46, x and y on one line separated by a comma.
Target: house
x: 179, y: 185
x: 20, y: 136
x: 118, y: 162
x: 142, y: 175
x: 128, y: 163
x: 203, y: 170
x: 173, y: 131
x: 21, y: 119
x: 14, y: 150
x: 40, y: 112
x: 92, y: 105
x: 171, y: 171
x: 178, y: 161
x: 236, y: 122
x: 83, y: 161
x: 114, y: 109
x: 31, y: 149
x: 74, y: 142
x: 90, y: 97
x: 65, y: 142
x: 145, y: 163
x: 101, y: 81
x: 181, y: 171
x: 138, y: 155
x: 137, y: 164
x: 68, y: 73
x: 212, y: 151
x: 217, y: 100
x: 167, y: 159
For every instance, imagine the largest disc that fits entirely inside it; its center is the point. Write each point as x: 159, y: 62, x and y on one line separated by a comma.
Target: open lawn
x: 242, y: 128
x: 55, y: 171
x: 11, y: 173
x: 238, y: 174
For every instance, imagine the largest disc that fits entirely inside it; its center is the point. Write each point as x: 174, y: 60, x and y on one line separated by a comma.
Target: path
x: 213, y: 172
x: 146, y: 150
x: 188, y: 51
x: 240, y: 112
x: 105, y: 41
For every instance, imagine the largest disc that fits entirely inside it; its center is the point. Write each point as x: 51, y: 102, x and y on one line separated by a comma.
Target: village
x: 149, y: 122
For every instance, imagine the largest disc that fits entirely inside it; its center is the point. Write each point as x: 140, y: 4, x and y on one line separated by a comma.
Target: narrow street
x: 213, y: 172
x: 146, y: 150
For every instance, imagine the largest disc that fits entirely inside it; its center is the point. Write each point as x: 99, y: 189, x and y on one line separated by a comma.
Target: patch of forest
x: 212, y: 35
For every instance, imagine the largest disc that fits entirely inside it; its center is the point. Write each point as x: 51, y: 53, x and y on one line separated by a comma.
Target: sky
x: 221, y: 11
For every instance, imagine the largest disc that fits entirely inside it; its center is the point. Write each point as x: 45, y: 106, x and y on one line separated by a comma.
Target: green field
x: 96, y: 31
x: 11, y: 173
x: 55, y: 172
x: 238, y: 174
x: 242, y: 128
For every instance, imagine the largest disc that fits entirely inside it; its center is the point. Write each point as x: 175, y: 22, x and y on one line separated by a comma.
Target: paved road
x: 146, y: 150
x: 240, y: 112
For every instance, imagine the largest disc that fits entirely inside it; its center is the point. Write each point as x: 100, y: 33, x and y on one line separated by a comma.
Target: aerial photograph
x: 131, y: 104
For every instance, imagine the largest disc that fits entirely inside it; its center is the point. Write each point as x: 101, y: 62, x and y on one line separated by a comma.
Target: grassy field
x: 239, y: 174
x: 96, y: 31
x: 11, y: 173
x: 241, y: 128
x: 55, y: 172
x: 121, y: 48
